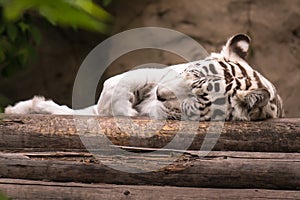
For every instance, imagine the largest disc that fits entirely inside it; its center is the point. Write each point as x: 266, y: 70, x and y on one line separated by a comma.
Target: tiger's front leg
x: 129, y: 94
x: 116, y: 98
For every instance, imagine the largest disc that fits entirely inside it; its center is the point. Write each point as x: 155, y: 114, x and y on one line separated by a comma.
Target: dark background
x: 274, y: 26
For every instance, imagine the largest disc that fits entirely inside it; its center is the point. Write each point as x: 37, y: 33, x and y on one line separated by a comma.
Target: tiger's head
x: 258, y: 99
x: 222, y: 84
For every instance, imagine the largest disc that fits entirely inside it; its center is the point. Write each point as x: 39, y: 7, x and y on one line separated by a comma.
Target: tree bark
x: 26, y: 189
x: 48, y: 132
x: 217, y: 170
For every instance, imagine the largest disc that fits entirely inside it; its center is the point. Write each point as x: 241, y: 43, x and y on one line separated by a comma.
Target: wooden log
x: 48, y: 132
x: 217, y: 170
x: 26, y: 189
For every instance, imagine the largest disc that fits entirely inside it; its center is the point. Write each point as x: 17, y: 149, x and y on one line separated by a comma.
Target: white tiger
x: 223, y: 84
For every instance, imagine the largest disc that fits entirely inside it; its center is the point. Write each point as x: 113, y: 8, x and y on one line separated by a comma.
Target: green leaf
x: 93, y: 9
x: 75, y: 13
x: 13, y: 9
x: 66, y: 15
x: 36, y: 34
x: 12, y: 31
x: 24, y: 27
x: 18, y: 36
x: 106, y: 2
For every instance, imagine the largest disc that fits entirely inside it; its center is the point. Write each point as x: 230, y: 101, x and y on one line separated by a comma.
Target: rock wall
x: 272, y: 24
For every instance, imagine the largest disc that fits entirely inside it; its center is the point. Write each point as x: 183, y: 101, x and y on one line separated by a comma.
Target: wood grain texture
x: 26, y: 189
x: 217, y: 170
x: 250, y: 159
x: 48, y: 132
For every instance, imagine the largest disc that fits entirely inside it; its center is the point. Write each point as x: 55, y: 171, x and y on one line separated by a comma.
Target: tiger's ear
x: 254, y: 99
x: 236, y: 47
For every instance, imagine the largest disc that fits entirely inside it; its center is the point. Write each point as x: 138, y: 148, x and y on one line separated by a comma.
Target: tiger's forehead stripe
x: 245, y: 76
x: 257, y: 79
x: 232, y: 70
x: 227, y: 75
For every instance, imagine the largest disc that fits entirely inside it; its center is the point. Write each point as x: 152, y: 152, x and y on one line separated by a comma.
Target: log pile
x: 43, y: 156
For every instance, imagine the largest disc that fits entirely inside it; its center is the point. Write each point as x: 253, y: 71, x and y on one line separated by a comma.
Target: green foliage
x: 76, y: 13
x: 106, y: 2
x: 17, y: 41
x: 19, y: 36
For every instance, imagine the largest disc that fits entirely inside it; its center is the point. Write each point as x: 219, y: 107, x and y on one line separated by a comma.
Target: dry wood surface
x: 26, y: 189
x: 42, y: 156
x: 46, y: 133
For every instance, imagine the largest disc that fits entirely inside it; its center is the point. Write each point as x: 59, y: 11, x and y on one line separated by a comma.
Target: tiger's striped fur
x: 222, y: 86
x: 226, y: 80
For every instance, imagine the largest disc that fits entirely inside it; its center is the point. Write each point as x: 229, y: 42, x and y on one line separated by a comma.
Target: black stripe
x: 238, y: 84
x: 227, y: 75
x: 248, y: 83
x: 212, y: 69
x: 195, y: 73
x: 245, y: 74
x: 203, y: 115
x: 223, y: 65
x: 203, y: 97
x: 208, y: 104
x: 232, y: 69
x: 205, y: 68
x: 228, y: 87
x: 197, y: 83
x: 259, y: 83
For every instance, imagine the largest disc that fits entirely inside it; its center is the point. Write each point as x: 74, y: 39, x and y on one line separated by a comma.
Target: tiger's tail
x: 39, y: 105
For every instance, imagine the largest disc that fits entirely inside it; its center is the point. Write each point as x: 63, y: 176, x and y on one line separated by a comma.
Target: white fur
x: 115, y: 98
x: 121, y: 93
x: 243, y: 45
x: 118, y: 90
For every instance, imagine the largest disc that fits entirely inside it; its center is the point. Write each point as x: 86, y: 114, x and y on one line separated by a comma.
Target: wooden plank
x: 218, y: 170
x: 26, y: 189
x: 48, y: 132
